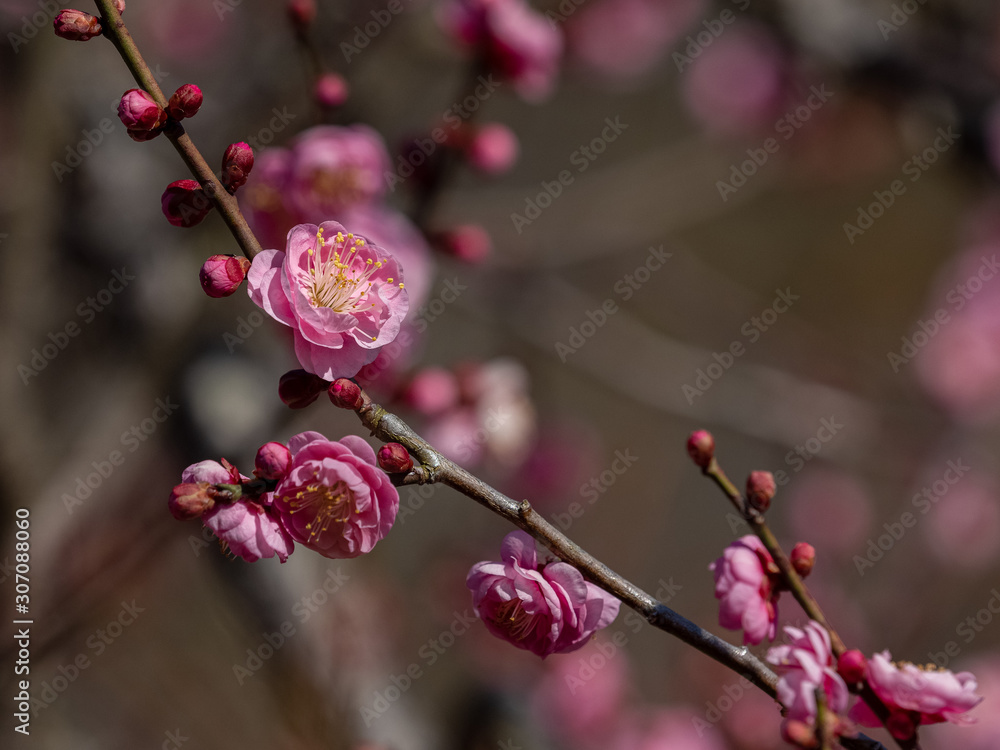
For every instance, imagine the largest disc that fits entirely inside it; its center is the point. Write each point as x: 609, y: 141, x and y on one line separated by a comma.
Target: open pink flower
x: 804, y: 664
x: 744, y: 587
x: 546, y: 609
x: 250, y: 529
x: 334, y: 499
x: 334, y: 168
x: 342, y: 295
x: 928, y: 694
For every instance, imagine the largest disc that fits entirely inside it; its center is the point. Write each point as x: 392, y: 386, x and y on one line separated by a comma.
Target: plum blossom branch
x: 116, y: 31
x: 436, y: 468
x: 793, y: 581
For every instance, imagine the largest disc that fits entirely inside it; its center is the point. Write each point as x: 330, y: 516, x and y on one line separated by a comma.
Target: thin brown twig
x: 225, y: 203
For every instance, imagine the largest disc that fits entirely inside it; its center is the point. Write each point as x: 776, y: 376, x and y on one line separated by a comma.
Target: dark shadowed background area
x: 778, y: 221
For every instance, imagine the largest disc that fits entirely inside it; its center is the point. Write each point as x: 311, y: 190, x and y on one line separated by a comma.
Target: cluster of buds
x: 144, y: 118
x: 186, y: 203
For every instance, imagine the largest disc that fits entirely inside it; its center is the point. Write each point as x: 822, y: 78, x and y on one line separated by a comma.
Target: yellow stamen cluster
x: 336, y: 275
x: 335, y: 504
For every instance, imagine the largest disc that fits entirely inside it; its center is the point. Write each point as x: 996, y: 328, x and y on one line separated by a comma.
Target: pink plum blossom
x: 737, y: 85
x: 747, y: 597
x: 985, y: 733
x: 334, y: 499
x: 391, y: 229
x: 334, y: 168
x: 545, y: 609
x: 803, y: 665
x: 342, y: 295
x: 325, y: 171
x: 625, y: 38
x: 928, y: 694
x: 249, y: 528
x: 519, y: 44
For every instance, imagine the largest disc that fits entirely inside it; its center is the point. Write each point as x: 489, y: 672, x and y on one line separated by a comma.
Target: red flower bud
x: 185, y: 102
x: 394, y: 459
x: 301, y: 13
x: 236, y: 166
x: 760, y: 489
x: 803, y: 558
x: 139, y: 112
x: 701, y: 448
x: 221, y: 275
x: 273, y: 461
x: 184, y: 203
x: 493, y: 149
x: 190, y: 500
x: 468, y: 242
x: 76, y: 25
x: 331, y: 90
x: 852, y: 666
x: 345, y: 394
x: 298, y: 388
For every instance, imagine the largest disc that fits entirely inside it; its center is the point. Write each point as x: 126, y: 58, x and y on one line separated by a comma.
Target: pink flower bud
x: 852, y: 666
x: 298, y: 388
x: 331, y: 90
x: 184, y: 203
x: 798, y: 733
x: 760, y: 489
x: 273, y: 461
x: 138, y: 111
x: 393, y: 458
x: 221, y: 275
x: 236, y: 165
x: 345, y: 394
x: 493, y: 149
x: 119, y: 6
x: 701, y: 448
x: 190, y: 500
x: 302, y: 13
x: 803, y: 558
x: 76, y: 25
x: 467, y: 242
x: 185, y: 102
